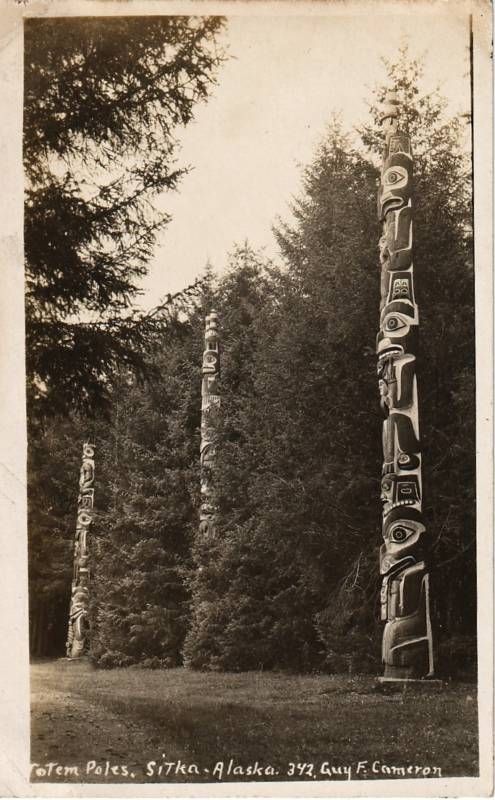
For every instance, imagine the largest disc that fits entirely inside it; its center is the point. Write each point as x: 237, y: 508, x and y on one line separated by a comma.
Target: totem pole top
x: 390, y: 113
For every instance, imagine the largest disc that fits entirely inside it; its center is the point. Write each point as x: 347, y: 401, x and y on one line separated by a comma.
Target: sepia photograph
x: 255, y: 393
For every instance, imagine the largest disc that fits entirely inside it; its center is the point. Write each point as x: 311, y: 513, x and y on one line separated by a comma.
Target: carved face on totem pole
x: 87, y: 474
x: 407, y: 648
x: 394, y: 211
x: 210, y: 401
x: 395, y: 184
x: 399, y: 435
x: 395, y: 243
x: 397, y: 336
x: 396, y: 345
x: 76, y: 642
x: 396, y: 175
x: 399, y: 490
x: 396, y: 381
x: 211, y: 361
x: 402, y: 552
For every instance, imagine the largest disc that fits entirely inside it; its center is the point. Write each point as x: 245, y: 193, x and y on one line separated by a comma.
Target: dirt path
x: 71, y: 727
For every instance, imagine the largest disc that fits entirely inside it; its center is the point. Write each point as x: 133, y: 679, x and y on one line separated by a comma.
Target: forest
x: 291, y: 580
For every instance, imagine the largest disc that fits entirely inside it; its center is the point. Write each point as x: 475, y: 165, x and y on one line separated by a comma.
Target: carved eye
x: 396, y: 177
x: 394, y: 324
x: 403, y: 530
x: 393, y: 177
x: 386, y: 486
x: 406, y: 461
x: 399, y: 534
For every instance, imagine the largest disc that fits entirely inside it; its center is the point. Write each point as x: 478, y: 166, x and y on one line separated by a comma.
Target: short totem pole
x: 210, y: 401
x: 77, y: 637
x: 407, y: 651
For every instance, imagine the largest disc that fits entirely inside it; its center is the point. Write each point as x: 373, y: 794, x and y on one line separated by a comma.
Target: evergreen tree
x: 145, y: 463
x: 280, y: 492
x: 323, y: 347
x: 54, y: 461
x: 104, y: 99
x: 149, y: 467
x: 228, y: 570
x: 293, y: 578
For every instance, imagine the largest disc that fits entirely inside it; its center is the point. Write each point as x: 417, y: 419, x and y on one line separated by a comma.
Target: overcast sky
x: 285, y: 77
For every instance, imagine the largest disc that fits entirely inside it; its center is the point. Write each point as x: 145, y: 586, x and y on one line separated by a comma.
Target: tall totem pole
x: 77, y: 636
x: 407, y: 650
x: 210, y: 401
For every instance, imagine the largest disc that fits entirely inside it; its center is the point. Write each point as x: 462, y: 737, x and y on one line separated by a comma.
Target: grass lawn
x: 96, y: 726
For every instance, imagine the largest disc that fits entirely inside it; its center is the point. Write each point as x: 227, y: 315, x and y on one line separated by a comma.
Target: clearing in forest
x: 124, y: 725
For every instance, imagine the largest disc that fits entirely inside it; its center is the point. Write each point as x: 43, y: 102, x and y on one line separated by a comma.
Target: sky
x: 284, y: 78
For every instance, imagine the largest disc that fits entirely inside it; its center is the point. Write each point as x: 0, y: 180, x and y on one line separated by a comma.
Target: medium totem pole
x: 210, y: 401
x: 407, y: 650
x: 77, y: 636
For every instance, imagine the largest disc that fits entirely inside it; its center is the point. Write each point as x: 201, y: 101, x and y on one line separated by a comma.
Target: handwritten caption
x: 231, y: 769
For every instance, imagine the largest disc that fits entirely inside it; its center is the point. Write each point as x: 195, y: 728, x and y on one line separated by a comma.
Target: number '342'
x: 300, y: 769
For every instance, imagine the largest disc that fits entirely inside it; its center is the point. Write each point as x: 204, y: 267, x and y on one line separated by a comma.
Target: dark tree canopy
x: 148, y: 492
x: 105, y: 99
x: 291, y: 579
x: 146, y: 487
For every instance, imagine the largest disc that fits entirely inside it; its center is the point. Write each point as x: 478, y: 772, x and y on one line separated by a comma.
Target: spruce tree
x: 54, y: 461
x: 293, y: 580
x: 142, y: 550
x: 104, y: 102
x: 224, y: 614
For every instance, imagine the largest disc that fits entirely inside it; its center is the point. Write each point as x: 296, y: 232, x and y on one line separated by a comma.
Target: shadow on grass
x: 270, y: 718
